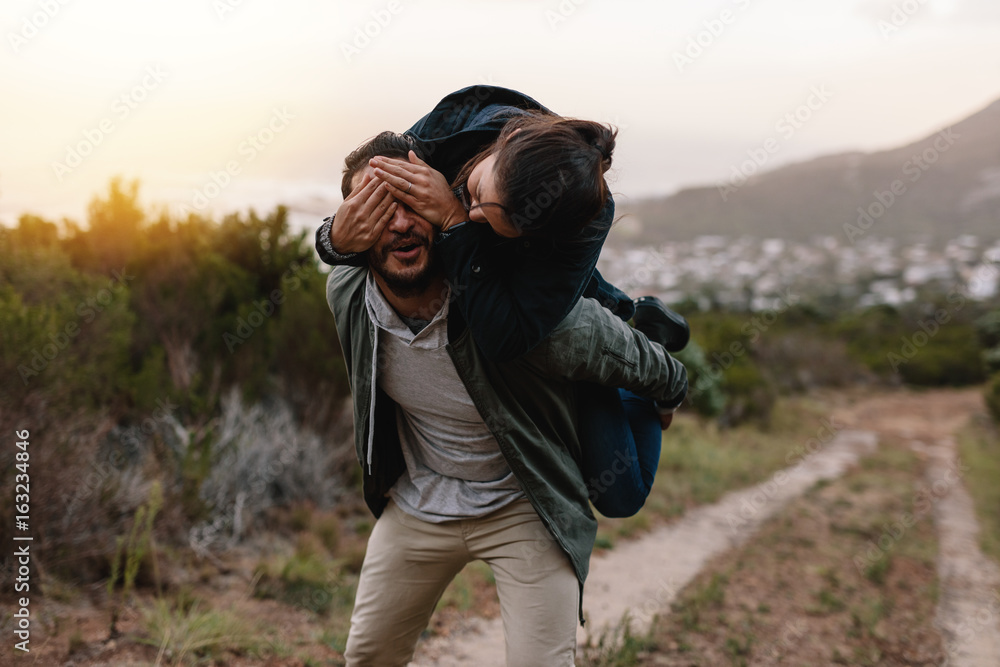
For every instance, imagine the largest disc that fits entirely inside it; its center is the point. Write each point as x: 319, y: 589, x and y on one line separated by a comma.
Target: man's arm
x: 593, y: 345
x: 328, y: 254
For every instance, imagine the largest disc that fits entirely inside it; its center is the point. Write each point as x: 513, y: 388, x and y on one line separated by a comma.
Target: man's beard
x: 411, y: 280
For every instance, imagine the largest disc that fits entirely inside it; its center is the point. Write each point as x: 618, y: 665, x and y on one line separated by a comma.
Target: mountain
x: 945, y: 184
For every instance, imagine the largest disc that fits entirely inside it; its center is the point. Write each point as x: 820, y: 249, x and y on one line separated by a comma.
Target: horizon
x: 171, y: 96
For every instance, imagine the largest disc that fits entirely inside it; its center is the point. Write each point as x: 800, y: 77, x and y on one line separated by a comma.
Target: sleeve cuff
x: 327, y: 246
x: 670, y: 408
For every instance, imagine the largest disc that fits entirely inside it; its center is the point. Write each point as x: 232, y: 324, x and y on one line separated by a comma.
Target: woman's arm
x: 512, y: 292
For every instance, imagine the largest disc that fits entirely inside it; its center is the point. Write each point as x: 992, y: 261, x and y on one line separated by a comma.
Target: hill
x: 943, y: 185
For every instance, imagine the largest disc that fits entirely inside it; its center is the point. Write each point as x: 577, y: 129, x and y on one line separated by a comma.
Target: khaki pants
x: 409, y: 563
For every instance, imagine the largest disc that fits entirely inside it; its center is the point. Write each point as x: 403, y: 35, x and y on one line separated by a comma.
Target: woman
x: 536, y: 182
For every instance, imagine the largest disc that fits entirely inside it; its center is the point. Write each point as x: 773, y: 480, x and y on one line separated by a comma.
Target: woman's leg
x: 620, y: 438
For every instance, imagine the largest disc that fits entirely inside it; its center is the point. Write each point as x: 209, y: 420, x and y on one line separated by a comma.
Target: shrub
x: 993, y: 396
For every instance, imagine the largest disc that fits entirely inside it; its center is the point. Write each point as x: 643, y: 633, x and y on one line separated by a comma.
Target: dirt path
x: 969, y: 605
x: 642, y: 577
x: 968, y: 611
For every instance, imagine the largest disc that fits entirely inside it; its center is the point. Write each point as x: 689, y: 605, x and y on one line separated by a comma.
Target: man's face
x: 403, y: 254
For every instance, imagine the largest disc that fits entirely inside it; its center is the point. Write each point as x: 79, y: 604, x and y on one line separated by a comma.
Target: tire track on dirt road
x: 642, y: 577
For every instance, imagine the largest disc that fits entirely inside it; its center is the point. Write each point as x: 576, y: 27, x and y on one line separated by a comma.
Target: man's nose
x: 476, y: 215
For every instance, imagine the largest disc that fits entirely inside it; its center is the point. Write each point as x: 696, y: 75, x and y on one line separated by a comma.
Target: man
x: 465, y: 459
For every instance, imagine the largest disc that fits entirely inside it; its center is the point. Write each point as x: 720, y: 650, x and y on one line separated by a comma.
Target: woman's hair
x: 549, y: 172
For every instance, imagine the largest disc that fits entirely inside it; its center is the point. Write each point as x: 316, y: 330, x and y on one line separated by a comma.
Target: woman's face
x: 484, y: 200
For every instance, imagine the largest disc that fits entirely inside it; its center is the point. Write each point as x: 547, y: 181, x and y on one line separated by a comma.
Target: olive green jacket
x: 529, y: 404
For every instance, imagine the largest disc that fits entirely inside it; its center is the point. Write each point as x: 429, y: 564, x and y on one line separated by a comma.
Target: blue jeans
x: 620, y: 437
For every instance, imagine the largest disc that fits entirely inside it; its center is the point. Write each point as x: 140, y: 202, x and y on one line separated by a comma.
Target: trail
x: 969, y: 603
x: 968, y: 612
x: 642, y: 577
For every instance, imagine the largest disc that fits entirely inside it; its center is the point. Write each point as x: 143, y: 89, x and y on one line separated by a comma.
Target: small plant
x: 183, y: 635
x: 877, y: 570
x: 618, y: 647
x: 993, y: 396
x: 307, y: 579
x: 132, y: 550
x: 709, y: 596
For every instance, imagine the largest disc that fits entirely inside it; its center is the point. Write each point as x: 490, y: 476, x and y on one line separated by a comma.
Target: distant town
x: 758, y: 274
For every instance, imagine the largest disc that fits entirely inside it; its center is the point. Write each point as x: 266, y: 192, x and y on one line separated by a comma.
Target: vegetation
x: 190, y: 634
x: 740, y: 363
x: 979, y: 451
x: 122, y: 342
x: 130, y: 552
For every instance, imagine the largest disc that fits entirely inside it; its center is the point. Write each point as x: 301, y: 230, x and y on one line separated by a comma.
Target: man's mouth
x: 407, y: 250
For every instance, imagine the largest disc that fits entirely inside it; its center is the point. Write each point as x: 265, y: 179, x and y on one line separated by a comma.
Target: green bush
x: 704, y: 386
x: 927, y: 344
x: 993, y: 396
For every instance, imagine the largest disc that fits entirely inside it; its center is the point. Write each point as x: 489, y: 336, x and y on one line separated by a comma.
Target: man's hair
x: 385, y: 144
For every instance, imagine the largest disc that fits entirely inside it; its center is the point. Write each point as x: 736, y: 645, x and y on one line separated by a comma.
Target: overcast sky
x: 171, y: 92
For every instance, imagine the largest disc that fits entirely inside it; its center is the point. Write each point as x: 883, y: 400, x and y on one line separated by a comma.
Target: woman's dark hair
x: 549, y: 172
x: 385, y: 144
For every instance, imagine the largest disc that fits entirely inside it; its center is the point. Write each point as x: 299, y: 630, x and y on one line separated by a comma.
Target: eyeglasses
x: 462, y: 192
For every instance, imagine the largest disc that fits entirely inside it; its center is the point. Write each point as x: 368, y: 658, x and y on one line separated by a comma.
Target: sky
x: 220, y: 105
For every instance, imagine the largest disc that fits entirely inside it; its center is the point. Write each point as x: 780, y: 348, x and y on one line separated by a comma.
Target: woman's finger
x: 401, y: 183
x: 408, y: 198
x: 398, y: 170
x: 416, y: 160
x: 396, y: 165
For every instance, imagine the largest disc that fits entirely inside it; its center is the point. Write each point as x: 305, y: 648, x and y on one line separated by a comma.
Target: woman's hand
x: 422, y: 188
x: 362, y: 217
x: 666, y: 420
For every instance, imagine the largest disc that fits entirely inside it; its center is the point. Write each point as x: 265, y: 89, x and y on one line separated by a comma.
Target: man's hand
x: 666, y: 420
x: 362, y: 217
x: 422, y: 188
